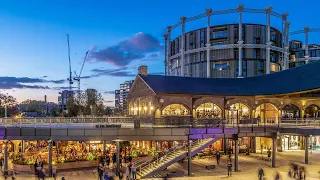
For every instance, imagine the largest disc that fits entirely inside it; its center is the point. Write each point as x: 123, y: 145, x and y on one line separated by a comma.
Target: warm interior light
x: 136, y: 109
x: 151, y: 108
x: 145, y: 108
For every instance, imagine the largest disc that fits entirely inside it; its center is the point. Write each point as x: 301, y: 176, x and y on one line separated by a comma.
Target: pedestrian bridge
x: 126, y: 128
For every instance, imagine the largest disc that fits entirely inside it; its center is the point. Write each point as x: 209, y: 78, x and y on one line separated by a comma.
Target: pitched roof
x: 302, y: 78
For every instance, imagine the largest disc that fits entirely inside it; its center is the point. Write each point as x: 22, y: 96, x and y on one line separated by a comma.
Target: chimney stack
x: 143, y: 70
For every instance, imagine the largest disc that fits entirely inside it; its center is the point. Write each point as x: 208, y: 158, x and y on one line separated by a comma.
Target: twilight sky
x: 121, y: 35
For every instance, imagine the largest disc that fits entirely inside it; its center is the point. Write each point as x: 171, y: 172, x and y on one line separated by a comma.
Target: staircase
x: 172, y: 156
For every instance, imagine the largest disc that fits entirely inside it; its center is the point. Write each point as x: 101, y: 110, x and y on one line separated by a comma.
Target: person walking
x: 54, y: 172
x: 100, y: 171
x: 229, y: 166
x: 260, y: 173
x: 277, y: 177
x: 133, y: 171
x: 35, y: 166
x: 128, y: 171
x: 114, y: 159
x: 41, y: 174
x: 108, y: 159
x: 218, y: 157
x: 1, y: 163
x: 269, y: 155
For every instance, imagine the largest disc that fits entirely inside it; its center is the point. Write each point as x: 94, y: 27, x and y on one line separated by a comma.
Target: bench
x: 210, y: 167
x: 175, y: 174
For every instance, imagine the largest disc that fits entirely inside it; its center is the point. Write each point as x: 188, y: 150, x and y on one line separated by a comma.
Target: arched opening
x: 157, y: 113
x: 238, y: 112
x: 175, y: 110
x: 290, y: 111
x: 311, y: 111
x: 266, y: 113
x: 208, y: 110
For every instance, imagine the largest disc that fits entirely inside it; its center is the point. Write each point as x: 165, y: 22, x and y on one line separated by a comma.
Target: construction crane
x: 70, y: 73
x: 78, y: 76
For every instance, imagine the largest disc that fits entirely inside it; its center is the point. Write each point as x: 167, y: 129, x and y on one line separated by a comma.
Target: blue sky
x: 120, y: 34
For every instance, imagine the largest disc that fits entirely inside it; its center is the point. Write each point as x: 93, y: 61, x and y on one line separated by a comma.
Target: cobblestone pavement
x: 247, y: 165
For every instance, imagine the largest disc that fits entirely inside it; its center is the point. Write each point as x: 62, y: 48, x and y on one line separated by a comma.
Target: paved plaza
x: 248, y: 166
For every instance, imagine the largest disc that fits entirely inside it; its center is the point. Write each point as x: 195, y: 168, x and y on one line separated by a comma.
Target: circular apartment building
x: 227, y: 51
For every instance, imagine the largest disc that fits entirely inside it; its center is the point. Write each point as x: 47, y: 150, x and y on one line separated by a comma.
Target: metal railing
x: 159, y: 159
x: 169, y: 121
x: 74, y: 120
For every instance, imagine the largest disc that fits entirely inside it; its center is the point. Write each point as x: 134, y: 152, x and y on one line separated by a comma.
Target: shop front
x: 292, y: 142
x: 208, y: 110
x: 238, y: 113
x: 266, y: 113
x: 311, y: 112
x: 175, y: 110
x: 290, y: 111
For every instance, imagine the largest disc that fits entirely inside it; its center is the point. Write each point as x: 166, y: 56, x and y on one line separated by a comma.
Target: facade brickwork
x: 142, y: 96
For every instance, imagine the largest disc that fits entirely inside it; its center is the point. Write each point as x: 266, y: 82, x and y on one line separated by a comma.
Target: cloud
x: 12, y: 85
x: 119, y: 72
x: 153, y: 55
x: 22, y: 82
x: 108, y: 92
x: 121, y: 54
x: 63, y: 88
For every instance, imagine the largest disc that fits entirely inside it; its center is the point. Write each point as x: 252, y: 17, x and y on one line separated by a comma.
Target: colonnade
x: 240, y: 9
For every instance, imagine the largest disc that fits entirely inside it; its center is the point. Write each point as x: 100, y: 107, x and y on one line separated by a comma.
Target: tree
x: 108, y: 111
x: 9, y: 101
x: 55, y: 112
x: 73, y: 107
x: 86, y: 103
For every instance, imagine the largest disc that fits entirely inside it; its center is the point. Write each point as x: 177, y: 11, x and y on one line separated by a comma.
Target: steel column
x: 268, y: 10
x: 236, y: 153
x: 284, y: 35
x: 189, y: 158
x: 306, y: 30
x: 240, y: 41
x: 169, y: 49
x: 118, y: 157
x: 104, y: 148
x: 306, y: 150
x: 50, y: 158
x: 183, y: 20
x: 208, y: 44
x: 274, y: 149
x: 166, y: 55
x: 5, y: 156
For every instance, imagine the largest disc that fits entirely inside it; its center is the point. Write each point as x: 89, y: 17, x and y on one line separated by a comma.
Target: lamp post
x: 5, y: 166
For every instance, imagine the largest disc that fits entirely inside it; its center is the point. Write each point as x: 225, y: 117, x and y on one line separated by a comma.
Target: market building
x: 290, y: 95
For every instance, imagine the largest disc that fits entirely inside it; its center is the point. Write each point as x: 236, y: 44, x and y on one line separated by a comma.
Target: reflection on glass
x: 175, y: 110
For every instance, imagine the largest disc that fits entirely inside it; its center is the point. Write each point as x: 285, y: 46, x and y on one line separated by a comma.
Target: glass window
x: 221, y: 66
x: 273, y: 36
x: 220, y: 34
x: 256, y: 40
x: 202, y: 35
x: 219, y: 43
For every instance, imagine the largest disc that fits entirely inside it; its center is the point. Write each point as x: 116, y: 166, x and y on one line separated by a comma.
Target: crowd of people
x: 108, y: 165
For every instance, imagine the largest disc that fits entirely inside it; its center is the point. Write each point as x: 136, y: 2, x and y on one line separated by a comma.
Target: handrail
x: 157, y: 160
